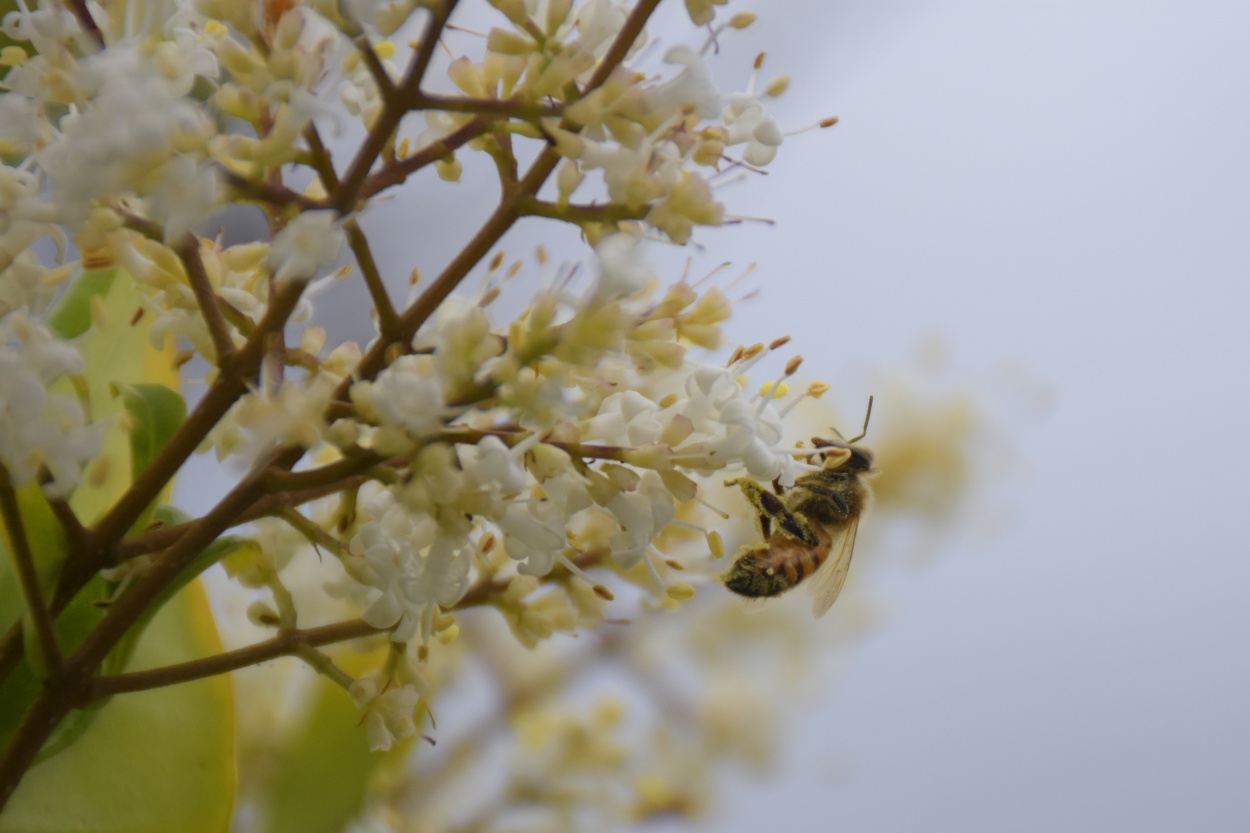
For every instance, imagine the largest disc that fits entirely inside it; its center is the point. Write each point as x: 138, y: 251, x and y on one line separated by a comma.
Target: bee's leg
x: 770, y: 509
x: 832, y: 494
x: 757, y: 496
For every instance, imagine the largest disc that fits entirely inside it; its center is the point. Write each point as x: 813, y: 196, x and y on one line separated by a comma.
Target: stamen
x: 791, y: 405
x: 678, y: 522
x: 655, y: 574
x: 598, y: 588
x: 720, y: 512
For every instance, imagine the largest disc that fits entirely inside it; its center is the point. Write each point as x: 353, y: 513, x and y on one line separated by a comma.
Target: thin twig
x: 388, y: 319
x: 345, y: 196
x: 188, y: 250
x: 284, y: 644
x: 75, y: 532
x: 313, y: 533
x: 83, y: 12
x: 229, y: 385
x: 269, y: 193
x: 324, y: 165
x: 573, y: 213
x: 164, y: 537
x: 28, y: 575
x: 398, y: 172
x: 386, y: 87
x: 502, y: 108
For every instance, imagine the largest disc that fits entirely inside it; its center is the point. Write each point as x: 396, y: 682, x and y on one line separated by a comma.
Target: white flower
x: 40, y: 427
x: 182, y: 59
x: 185, y: 197
x: 626, y: 418
x: 749, y: 123
x: 21, y: 125
x: 623, y: 270
x: 120, y: 141
x: 642, y: 514
x: 413, y: 568
x: 405, y: 397
x: 692, y: 87
x: 598, y: 22
x: 534, y: 533
x: 289, y: 413
x: 493, y: 467
x: 390, y: 714
x: 308, y: 243
x: 26, y: 284
x: 24, y: 218
x: 460, y: 339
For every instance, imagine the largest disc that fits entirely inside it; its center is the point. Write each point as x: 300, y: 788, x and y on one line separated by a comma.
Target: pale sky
x: 1065, y: 185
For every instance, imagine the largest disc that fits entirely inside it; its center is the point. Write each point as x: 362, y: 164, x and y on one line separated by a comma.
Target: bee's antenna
x: 863, y: 433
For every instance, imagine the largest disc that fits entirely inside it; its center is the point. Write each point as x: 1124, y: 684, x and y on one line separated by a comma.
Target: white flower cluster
x: 647, y: 139
x: 41, y: 428
x: 582, y: 429
x: 98, y: 142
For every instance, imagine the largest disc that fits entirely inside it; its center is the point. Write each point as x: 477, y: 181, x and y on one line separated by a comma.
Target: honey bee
x: 816, y: 521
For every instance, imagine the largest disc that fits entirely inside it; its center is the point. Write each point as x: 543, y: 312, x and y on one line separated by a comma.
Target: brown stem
x: 150, y: 229
x: 508, y: 210
x: 324, y: 165
x: 75, y: 532
x: 608, y: 213
x: 472, y: 436
x: 165, y: 537
x: 270, y: 193
x: 188, y: 250
x: 83, y: 13
x: 28, y: 575
x: 358, y: 462
x: 236, y: 374
x: 388, y: 319
x: 503, y: 108
x: 284, y: 644
x: 313, y: 533
x: 396, y: 173
x: 386, y: 87
x: 344, y: 198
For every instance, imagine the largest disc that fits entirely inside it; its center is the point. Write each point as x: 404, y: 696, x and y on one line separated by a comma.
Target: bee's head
x: 847, y: 456
x: 844, y: 456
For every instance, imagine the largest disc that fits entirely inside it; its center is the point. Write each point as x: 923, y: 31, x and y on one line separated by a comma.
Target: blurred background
x: 1029, y: 229
x: 1058, y: 193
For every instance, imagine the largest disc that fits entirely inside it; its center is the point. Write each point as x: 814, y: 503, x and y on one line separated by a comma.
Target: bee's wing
x: 826, y: 583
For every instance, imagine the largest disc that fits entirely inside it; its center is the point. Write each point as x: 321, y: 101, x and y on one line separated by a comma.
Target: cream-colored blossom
x: 41, y: 428
x: 308, y: 244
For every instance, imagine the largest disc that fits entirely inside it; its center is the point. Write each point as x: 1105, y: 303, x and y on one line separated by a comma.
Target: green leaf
x: 49, y: 547
x: 156, y: 412
x: 71, y: 316
x: 321, y: 775
x: 153, y: 760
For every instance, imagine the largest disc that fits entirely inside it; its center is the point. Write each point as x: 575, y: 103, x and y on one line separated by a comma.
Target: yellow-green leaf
x: 156, y: 760
x: 159, y: 760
